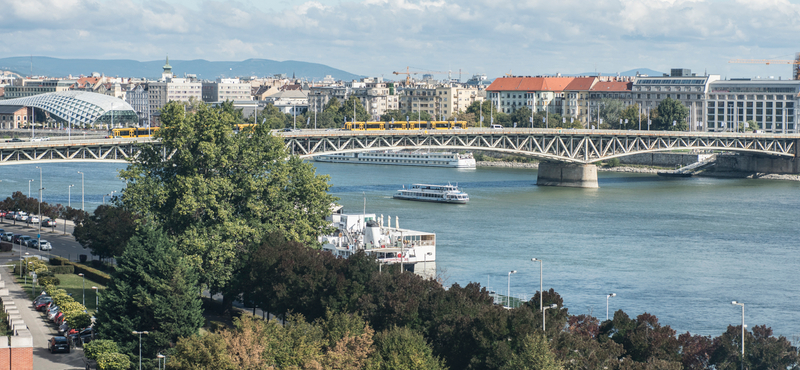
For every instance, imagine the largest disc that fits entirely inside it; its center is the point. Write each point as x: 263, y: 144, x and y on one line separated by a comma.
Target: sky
x: 377, y: 37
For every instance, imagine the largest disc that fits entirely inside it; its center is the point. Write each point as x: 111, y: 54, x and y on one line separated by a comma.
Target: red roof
x: 581, y: 84
x: 530, y: 83
x: 612, y: 86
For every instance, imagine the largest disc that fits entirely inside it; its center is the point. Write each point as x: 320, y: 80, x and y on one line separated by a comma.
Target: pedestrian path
x: 41, y: 330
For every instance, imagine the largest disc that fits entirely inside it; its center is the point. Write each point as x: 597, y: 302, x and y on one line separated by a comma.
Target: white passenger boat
x: 403, y: 158
x: 433, y: 193
x: 415, y: 250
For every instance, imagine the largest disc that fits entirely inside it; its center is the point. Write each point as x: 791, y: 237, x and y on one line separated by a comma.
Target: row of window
x: 789, y: 104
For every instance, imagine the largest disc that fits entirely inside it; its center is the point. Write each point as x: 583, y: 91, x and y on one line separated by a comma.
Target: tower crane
x: 795, y: 63
x: 408, y: 74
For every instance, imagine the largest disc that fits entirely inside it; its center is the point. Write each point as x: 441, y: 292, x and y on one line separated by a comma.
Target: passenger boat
x: 403, y: 158
x: 414, y: 250
x: 433, y: 193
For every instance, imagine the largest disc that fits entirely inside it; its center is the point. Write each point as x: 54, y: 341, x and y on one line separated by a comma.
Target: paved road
x: 41, y: 329
x: 63, y: 245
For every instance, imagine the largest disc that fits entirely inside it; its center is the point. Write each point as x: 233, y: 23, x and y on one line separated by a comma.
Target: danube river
x: 681, y: 249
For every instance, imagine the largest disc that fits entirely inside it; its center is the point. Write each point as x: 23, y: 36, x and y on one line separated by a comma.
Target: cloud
x: 375, y: 37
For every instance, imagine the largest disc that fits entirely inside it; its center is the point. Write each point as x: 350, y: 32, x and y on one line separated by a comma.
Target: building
x: 770, y: 103
x: 575, y: 104
x: 139, y: 99
x: 294, y: 102
x: 15, y: 116
x: 225, y: 89
x: 30, y: 87
x: 79, y: 108
x: 169, y: 88
x: 609, y: 89
x: 375, y: 95
x: 681, y: 85
x: 540, y: 94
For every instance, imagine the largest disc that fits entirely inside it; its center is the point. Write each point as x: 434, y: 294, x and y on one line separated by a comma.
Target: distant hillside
x: 54, y: 67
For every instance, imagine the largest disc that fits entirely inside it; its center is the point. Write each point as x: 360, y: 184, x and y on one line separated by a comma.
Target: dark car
x: 15, y: 140
x: 23, y: 240
x: 15, y: 238
x: 58, y: 344
x: 49, y: 222
x: 81, y: 337
x: 43, y: 303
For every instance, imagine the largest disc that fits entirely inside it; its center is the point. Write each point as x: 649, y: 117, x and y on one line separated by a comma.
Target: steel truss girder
x: 565, y: 147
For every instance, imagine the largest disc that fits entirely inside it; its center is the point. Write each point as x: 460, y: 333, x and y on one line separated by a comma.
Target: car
x: 2, y: 231
x: 58, y: 343
x: 42, y: 304
x: 49, y: 222
x: 21, y: 216
x: 6, y: 236
x: 23, y: 240
x: 32, y: 220
x: 10, y: 215
x: 496, y: 126
x: 15, y: 140
x: 15, y: 238
x: 287, y: 130
x: 44, y: 245
x: 80, y: 337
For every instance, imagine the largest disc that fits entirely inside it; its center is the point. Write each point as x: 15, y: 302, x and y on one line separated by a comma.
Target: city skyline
x: 377, y: 37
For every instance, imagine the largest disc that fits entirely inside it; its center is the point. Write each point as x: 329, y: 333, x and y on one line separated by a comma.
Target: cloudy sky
x: 376, y: 37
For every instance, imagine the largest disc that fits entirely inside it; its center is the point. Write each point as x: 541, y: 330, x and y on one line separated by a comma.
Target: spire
x: 167, y: 67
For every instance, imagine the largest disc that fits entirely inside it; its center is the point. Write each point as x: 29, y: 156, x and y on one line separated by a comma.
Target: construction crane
x: 408, y: 74
x: 795, y: 63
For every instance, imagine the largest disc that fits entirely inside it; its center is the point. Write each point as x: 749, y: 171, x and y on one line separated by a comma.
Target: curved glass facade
x: 80, y: 107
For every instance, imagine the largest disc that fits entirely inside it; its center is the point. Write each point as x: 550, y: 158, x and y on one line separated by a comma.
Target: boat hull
x: 452, y: 201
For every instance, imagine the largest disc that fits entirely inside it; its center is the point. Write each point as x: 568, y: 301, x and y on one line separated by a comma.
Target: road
x: 63, y: 245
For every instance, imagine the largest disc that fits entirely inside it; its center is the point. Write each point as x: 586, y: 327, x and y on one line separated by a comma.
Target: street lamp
x: 541, y: 308
x: 108, y: 195
x: 82, y: 198
x: 26, y: 275
x: 159, y: 357
x: 139, y: 333
x: 29, y: 187
x: 543, y: 313
x: 96, y: 297
x: 741, y: 304
x: 84, y: 288
x: 508, y: 299
x: 69, y: 196
x: 607, y: 297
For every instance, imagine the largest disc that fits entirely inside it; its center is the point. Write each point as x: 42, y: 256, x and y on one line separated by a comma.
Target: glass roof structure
x: 80, y: 107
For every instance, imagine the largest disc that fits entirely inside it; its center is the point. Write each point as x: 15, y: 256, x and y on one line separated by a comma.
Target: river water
x: 681, y: 249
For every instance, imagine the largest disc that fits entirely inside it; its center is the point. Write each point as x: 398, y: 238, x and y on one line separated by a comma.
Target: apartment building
x: 771, y: 103
x: 681, y: 85
x: 226, y: 89
x: 540, y: 94
x: 138, y: 97
x: 22, y: 88
x: 441, y: 101
x: 375, y: 95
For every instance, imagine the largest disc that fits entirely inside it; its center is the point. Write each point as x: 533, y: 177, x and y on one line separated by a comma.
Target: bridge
x: 568, y: 154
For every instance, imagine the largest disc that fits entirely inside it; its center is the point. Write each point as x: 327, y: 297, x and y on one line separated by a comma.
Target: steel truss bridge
x: 569, y: 146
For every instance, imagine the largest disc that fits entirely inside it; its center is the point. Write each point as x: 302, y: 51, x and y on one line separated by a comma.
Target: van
x: 494, y: 125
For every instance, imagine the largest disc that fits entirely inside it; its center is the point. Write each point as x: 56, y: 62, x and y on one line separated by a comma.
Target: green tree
x: 107, y: 231
x: 218, y: 194
x: 153, y: 289
x: 751, y: 126
x: 762, y: 350
x: 347, y: 110
x: 401, y: 117
x: 99, y: 346
x: 632, y: 114
x: 200, y: 352
x: 644, y: 339
x: 113, y: 361
x: 401, y: 348
x: 610, y: 112
x: 671, y: 116
x: 533, y: 354
x: 522, y: 117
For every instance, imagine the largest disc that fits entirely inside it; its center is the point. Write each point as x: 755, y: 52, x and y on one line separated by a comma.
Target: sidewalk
x: 41, y: 330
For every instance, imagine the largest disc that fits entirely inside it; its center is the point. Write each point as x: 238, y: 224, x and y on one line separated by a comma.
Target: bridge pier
x: 567, y: 174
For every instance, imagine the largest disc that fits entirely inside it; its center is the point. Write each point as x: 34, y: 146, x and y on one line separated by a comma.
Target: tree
x: 671, y: 115
x: 751, y: 126
x: 153, y: 289
x: 220, y: 194
x: 633, y: 115
x: 762, y: 350
x: 644, y: 339
x: 348, y: 109
x: 401, y: 348
x: 401, y: 117
x: 610, y: 112
x: 533, y: 353
x: 696, y: 351
x: 201, y: 352
x: 107, y: 231
x: 113, y: 361
x: 522, y: 117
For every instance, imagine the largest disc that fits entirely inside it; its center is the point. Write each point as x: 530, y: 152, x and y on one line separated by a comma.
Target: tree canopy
x: 671, y: 115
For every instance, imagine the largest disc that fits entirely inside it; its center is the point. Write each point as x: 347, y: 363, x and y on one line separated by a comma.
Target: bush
x: 613, y: 162
x: 97, y: 347
x: 49, y: 280
x: 65, y: 270
x: 78, y: 319
x: 113, y: 361
x: 5, y: 246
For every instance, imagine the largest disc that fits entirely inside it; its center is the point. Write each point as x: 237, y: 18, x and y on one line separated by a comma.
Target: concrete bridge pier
x: 567, y: 174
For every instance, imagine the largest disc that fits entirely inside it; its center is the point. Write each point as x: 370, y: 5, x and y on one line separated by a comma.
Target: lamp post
x: 26, y: 275
x: 508, y: 299
x: 41, y: 189
x: 82, y: 193
x: 159, y: 357
x: 96, y: 297
x: 69, y: 196
x: 541, y: 308
x: 607, y: 297
x: 139, y: 333
x: 741, y: 304
x: 108, y: 195
x: 543, y: 313
x: 84, y: 288
x: 29, y: 187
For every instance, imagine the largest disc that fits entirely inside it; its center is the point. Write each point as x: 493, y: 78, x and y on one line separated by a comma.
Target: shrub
x: 99, y: 346
x: 49, y: 280
x: 613, y: 162
x: 78, y: 319
x: 113, y: 361
x: 64, y: 270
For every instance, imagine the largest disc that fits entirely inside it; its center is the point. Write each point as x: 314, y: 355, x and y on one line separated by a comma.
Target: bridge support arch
x: 575, y: 175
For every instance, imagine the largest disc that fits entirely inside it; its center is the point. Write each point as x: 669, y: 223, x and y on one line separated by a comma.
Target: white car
x: 32, y: 220
x: 44, y: 245
x: 22, y: 216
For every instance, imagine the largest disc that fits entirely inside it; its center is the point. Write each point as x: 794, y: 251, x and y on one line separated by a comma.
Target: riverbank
x: 652, y: 170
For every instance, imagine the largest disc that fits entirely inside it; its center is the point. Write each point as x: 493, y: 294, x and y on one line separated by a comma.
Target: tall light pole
x: 139, y: 333
x: 159, y: 357
x: 69, y: 196
x: 508, y: 299
x: 82, y: 193
x: 541, y: 308
x: 84, y: 288
x: 543, y: 313
x: 741, y: 304
x: 41, y: 189
x: 29, y: 187
x: 607, y: 297
x: 108, y: 195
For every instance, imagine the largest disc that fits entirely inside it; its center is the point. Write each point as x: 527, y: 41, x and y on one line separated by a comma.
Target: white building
x: 226, y: 89
x: 771, y: 103
x: 681, y: 85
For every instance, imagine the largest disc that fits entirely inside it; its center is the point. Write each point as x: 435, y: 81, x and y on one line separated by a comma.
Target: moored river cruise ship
x: 403, y: 158
x: 433, y: 193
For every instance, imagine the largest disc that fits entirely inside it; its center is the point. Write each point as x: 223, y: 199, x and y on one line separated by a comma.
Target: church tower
x: 167, y: 74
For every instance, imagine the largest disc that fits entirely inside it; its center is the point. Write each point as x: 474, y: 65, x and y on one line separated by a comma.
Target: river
x: 681, y: 249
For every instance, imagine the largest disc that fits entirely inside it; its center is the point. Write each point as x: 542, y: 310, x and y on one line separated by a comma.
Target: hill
x: 55, y: 67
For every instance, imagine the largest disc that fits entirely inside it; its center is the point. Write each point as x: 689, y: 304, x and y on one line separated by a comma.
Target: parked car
x: 2, y: 213
x: 2, y: 231
x: 49, y: 222
x: 6, y: 236
x: 80, y: 337
x: 15, y: 140
x: 23, y: 240
x: 58, y: 344
x: 15, y: 238
x: 42, y: 304
x: 43, y: 245
x: 21, y: 216
x: 40, y: 297
x: 32, y: 220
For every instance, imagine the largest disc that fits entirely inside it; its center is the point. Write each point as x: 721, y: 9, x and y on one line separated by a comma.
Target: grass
x: 73, y: 284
